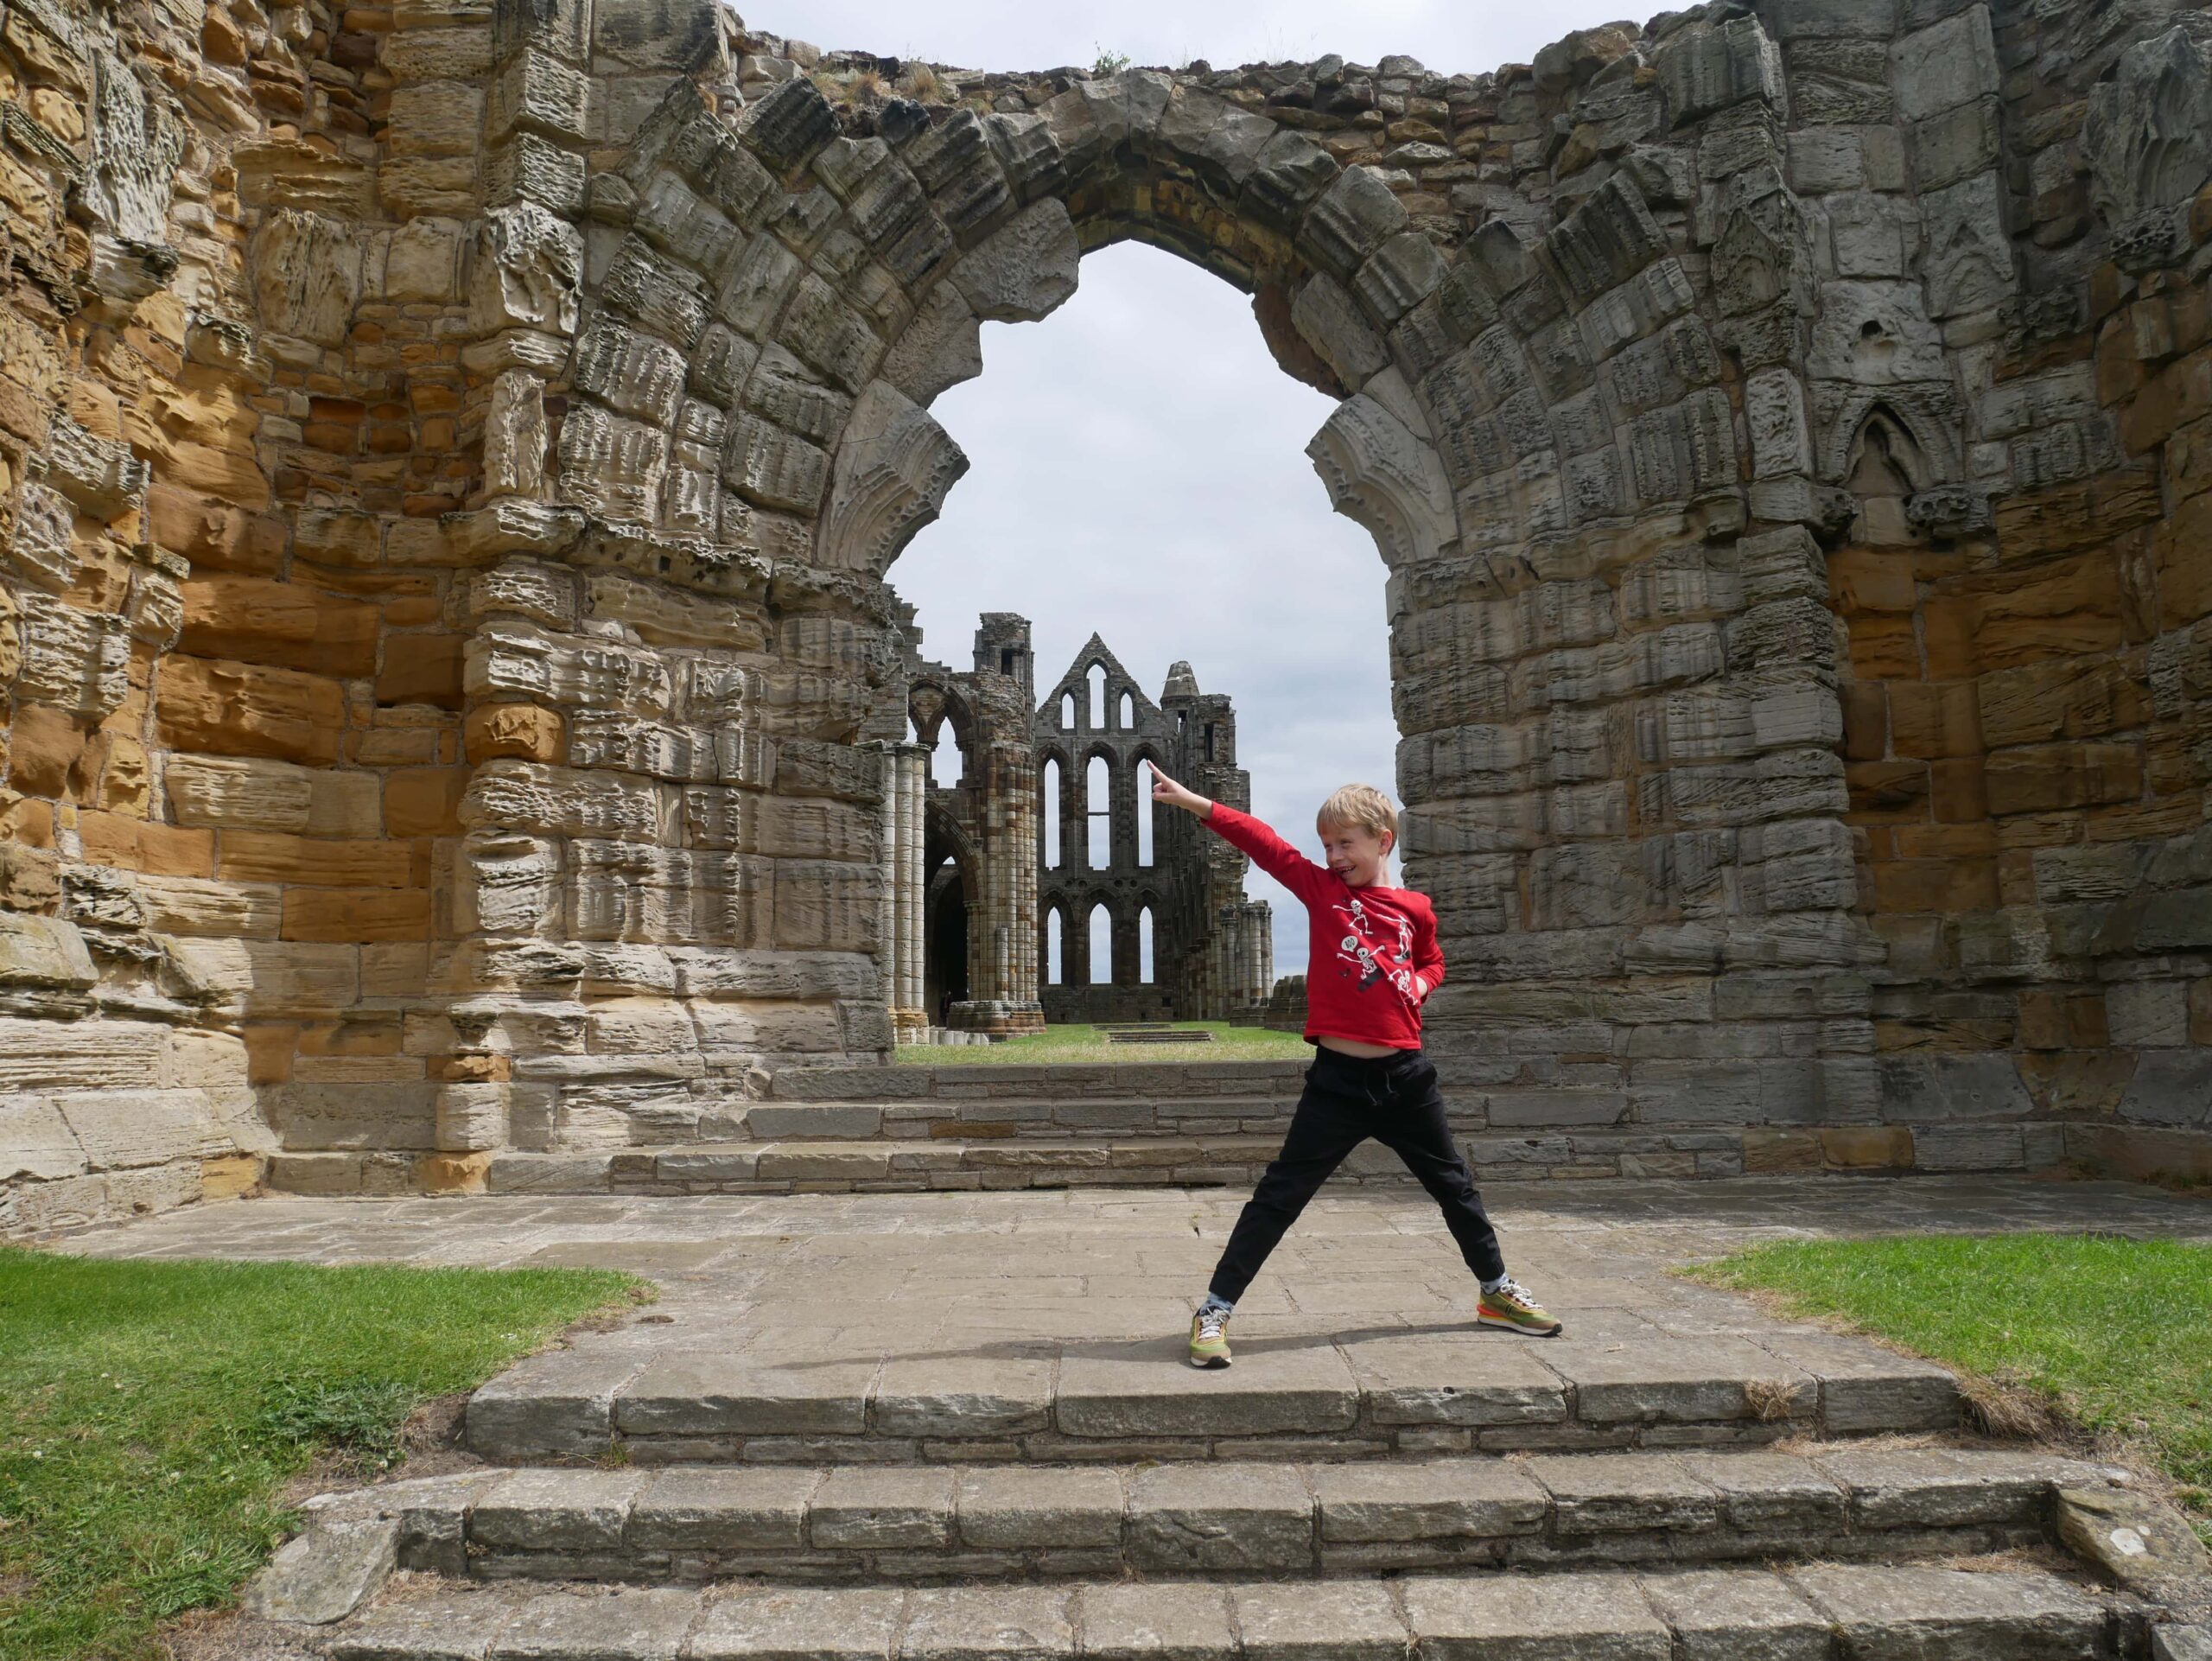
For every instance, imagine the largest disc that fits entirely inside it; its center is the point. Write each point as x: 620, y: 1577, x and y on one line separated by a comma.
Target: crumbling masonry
x: 451, y: 454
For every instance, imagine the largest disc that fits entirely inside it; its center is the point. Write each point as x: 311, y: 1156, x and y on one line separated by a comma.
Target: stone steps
x: 691, y: 1394
x: 1825, y: 1613
x: 816, y: 1152
x: 905, y: 1523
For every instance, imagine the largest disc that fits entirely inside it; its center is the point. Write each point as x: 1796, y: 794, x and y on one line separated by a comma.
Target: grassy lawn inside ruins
x: 2115, y: 1333
x: 151, y: 1413
x: 1089, y: 1044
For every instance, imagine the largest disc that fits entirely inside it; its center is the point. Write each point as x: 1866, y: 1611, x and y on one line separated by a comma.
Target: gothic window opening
x: 1067, y: 712
x: 947, y: 765
x: 1209, y: 740
x: 1051, y: 813
x: 1129, y: 721
x: 1147, y: 815
x: 1006, y: 660
x: 1056, y: 972
x: 1097, y: 678
x: 1144, y: 946
x: 1102, y: 947
x: 1098, y: 813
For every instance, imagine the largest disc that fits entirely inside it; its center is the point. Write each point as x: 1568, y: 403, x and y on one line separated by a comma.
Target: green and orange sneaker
x: 1209, y: 1339
x: 1512, y: 1307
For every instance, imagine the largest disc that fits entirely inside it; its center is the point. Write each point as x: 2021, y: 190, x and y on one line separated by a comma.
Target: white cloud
x: 1451, y: 36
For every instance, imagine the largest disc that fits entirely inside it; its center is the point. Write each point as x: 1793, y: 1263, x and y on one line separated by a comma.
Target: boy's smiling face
x: 1354, y: 852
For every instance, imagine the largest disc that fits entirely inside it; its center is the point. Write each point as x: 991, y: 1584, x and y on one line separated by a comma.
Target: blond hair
x: 1359, y: 807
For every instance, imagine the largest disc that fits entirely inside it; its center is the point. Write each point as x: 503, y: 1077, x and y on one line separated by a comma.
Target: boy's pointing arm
x: 1241, y: 831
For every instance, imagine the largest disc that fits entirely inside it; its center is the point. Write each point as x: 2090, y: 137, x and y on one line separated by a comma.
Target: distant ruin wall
x: 450, y: 455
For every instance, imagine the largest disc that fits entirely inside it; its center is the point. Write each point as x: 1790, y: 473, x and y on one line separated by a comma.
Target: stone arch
x: 1536, y: 420
x: 1903, y: 424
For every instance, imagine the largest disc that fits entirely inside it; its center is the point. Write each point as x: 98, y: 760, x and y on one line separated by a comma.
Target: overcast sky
x: 1138, y: 460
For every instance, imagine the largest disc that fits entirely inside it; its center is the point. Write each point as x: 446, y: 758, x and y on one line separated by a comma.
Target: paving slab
x: 1224, y: 1516
x: 994, y: 1623
x: 1680, y: 1381
x: 833, y: 1624
x: 1329, y: 1620
x: 1159, y: 1620
x: 1459, y: 1377
x: 1150, y: 1389
x: 1620, y: 1492
x: 639, y: 1624
x: 1400, y: 1500
x: 1925, y: 1488
x: 711, y: 1393
x: 1770, y: 1492
x: 1736, y: 1615
x: 1941, y: 1614
x: 933, y: 1318
x: 1865, y: 1388
x: 964, y: 1396
x: 882, y: 1507
x: 742, y: 1508
x: 557, y: 1511
x: 1577, y: 1618
x: 1041, y: 1508
x: 561, y: 1401
x: 457, y: 1624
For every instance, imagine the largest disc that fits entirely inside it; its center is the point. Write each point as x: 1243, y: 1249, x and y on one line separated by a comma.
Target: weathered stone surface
x: 1220, y: 1517
x: 831, y: 1624
x: 2142, y: 1542
x: 1582, y: 1617
x: 1896, y: 1611
x: 322, y: 1574
x: 583, y: 288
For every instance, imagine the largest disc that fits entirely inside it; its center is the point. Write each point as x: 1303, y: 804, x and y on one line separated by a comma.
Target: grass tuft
x: 151, y: 1415
x: 2110, y: 1334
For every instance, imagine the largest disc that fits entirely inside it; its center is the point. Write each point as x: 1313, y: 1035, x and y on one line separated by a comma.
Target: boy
x: 1372, y: 962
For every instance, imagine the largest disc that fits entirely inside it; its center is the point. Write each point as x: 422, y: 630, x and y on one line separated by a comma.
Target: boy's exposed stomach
x: 1355, y: 1047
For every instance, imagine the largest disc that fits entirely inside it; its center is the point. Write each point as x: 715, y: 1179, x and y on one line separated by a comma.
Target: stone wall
x: 451, y: 454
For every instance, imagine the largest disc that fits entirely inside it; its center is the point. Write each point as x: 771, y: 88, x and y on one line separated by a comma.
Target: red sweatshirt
x: 1365, y: 946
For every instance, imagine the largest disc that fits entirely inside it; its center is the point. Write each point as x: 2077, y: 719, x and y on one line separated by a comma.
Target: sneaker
x: 1209, y: 1339
x: 1513, y: 1307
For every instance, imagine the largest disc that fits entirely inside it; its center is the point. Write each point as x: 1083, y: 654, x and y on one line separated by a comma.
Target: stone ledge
x: 907, y: 1523
x: 991, y: 1080
x: 1108, y: 1401
x: 909, y: 1156
x: 2002, y: 1615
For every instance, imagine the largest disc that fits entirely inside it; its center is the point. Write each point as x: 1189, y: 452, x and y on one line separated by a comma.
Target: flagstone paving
x: 972, y: 1411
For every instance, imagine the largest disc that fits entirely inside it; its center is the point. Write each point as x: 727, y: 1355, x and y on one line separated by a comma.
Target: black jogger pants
x: 1393, y: 1098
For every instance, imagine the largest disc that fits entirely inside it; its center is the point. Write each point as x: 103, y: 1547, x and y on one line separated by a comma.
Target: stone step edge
x: 1138, y: 1400
x: 957, y: 1081
x: 906, y: 1523
x: 1107, y: 1158
x: 1999, y: 1613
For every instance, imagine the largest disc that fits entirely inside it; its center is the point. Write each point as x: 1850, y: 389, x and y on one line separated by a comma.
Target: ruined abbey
x: 452, y: 455
x: 992, y: 883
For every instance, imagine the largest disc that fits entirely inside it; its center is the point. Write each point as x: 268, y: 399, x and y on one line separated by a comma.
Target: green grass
x: 2116, y: 1333
x: 150, y: 1414
x: 1089, y: 1044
